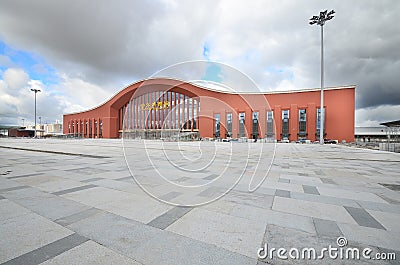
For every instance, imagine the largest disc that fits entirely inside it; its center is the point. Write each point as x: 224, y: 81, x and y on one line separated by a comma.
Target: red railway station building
x: 161, y: 108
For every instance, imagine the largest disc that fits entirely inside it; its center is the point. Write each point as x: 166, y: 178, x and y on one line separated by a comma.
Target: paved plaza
x: 76, y: 202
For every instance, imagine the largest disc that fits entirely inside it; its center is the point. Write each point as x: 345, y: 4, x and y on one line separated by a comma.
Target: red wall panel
x: 339, y: 103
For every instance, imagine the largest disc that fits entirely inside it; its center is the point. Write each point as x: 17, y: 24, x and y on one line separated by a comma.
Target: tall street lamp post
x: 40, y: 126
x: 320, y: 20
x: 35, y: 90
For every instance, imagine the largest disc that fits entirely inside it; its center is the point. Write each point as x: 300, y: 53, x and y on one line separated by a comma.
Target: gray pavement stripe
x: 282, y: 193
x: 170, y: 195
x: 327, y: 181
x: 283, y: 180
x: 310, y: 190
x: 14, y: 188
x: 67, y: 220
x: 364, y: 159
x: 211, y: 177
x: 62, y: 192
x: 118, y: 168
x: 363, y: 218
x: 87, y: 170
x: 2, y: 198
x: 25, y: 175
x: 53, y: 152
x: 326, y: 228
x: 170, y: 217
x: 389, y: 200
x: 395, y: 187
x: 42, y: 162
x: 124, y: 178
x: 49, y: 251
x: 182, y: 179
x: 210, y: 192
x: 90, y: 180
x: 324, y: 199
x: 76, y: 169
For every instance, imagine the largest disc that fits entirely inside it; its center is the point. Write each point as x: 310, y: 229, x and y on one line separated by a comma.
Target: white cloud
x: 79, y: 94
x: 367, y: 117
x: 17, y: 99
x: 15, y: 78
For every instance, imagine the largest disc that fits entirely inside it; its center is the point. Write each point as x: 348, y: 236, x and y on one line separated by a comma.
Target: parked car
x: 329, y: 141
x: 285, y: 140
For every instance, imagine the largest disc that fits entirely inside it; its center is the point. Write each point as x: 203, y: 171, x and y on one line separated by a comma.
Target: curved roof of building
x: 219, y: 87
x: 391, y: 123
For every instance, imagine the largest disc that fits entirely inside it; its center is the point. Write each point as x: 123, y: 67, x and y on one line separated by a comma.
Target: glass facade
x: 101, y: 129
x: 285, y: 124
x: 302, y: 123
x: 255, y: 125
x: 217, y: 125
x: 242, y: 128
x: 153, y: 114
x: 95, y: 128
x: 270, y: 133
x: 90, y: 129
x: 228, y: 125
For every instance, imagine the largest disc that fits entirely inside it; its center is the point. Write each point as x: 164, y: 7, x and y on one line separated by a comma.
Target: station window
x: 302, y: 123
x: 285, y: 123
x: 270, y: 124
x: 90, y: 128
x: 229, y: 125
x: 95, y: 129
x: 217, y: 125
x: 101, y: 129
x: 255, y: 125
x: 242, y: 129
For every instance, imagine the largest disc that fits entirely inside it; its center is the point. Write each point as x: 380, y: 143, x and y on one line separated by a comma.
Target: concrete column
x: 262, y: 123
x: 293, y: 122
x: 311, y: 121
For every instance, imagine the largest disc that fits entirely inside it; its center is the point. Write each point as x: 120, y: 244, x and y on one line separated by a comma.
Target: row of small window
x: 88, y: 126
x: 302, y: 120
x: 269, y: 119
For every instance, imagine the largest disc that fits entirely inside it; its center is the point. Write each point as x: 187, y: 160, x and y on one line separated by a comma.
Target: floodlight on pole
x: 320, y: 21
x: 35, y: 90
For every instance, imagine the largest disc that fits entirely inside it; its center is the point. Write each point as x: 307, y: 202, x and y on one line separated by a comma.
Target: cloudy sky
x: 80, y: 53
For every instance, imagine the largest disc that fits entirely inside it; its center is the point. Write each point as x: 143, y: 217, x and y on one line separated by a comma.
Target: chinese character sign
x: 157, y: 105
